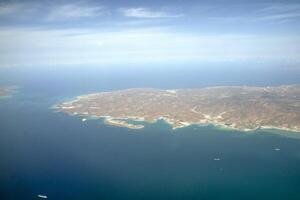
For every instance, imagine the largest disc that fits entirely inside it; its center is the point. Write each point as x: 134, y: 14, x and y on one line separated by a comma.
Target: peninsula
x: 237, y: 107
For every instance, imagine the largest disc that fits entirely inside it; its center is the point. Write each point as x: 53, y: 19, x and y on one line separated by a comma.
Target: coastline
x: 73, y: 107
x: 121, y: 122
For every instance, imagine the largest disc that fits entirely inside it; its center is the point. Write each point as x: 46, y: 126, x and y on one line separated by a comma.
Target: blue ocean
x: 43, y: 152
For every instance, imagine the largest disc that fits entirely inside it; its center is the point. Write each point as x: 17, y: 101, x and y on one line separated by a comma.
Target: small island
x: 6, y: 91
x: 235, y: 107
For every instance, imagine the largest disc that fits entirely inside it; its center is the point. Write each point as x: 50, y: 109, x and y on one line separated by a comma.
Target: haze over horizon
x: 59, y: 33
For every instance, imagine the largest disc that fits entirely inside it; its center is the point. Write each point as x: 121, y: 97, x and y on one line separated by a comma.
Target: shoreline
x: 85, y: 104
x: 121, y: 122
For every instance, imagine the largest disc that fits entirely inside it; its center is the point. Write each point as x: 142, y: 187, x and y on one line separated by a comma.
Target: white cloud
x: 13, y: 9
x: 281, y: 16
x: 272, y: 13
x: 279, y: 8
x: 146, y: 13
x: 74, y: 11
x: 58, y: 47
x: 51, y: 12
x: 277, y: 12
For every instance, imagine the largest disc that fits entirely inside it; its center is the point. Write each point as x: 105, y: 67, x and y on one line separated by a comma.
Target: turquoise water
x: 44, y: 152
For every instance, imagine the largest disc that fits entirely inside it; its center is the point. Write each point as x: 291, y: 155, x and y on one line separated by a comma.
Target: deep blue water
x: 44, y: 152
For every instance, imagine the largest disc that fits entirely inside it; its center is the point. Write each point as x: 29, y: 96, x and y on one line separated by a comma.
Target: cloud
x: 281, y: 16
x: 279, y: 8
x: 74, y: 11
x: 279, y: 12
x: 14, y: 9
x: 77, y: 46
x: 146, y: 13
x: 271, y: 13
x: 38, y: 11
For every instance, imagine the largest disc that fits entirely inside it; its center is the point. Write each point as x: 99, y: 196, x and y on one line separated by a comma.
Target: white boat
x: 217, y: 159
x: 42, y: 196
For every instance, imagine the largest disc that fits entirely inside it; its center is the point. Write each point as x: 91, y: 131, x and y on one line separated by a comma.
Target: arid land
x: 237, y: 107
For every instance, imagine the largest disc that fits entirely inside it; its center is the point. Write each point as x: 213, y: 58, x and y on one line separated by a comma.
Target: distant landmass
x: 236, y: 107
x: 6, y: 91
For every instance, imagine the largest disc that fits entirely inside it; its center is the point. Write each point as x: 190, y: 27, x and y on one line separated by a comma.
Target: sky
x: 109, y: 32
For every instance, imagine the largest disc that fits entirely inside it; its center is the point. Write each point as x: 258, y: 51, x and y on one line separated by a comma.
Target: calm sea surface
x: 49, y: 153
